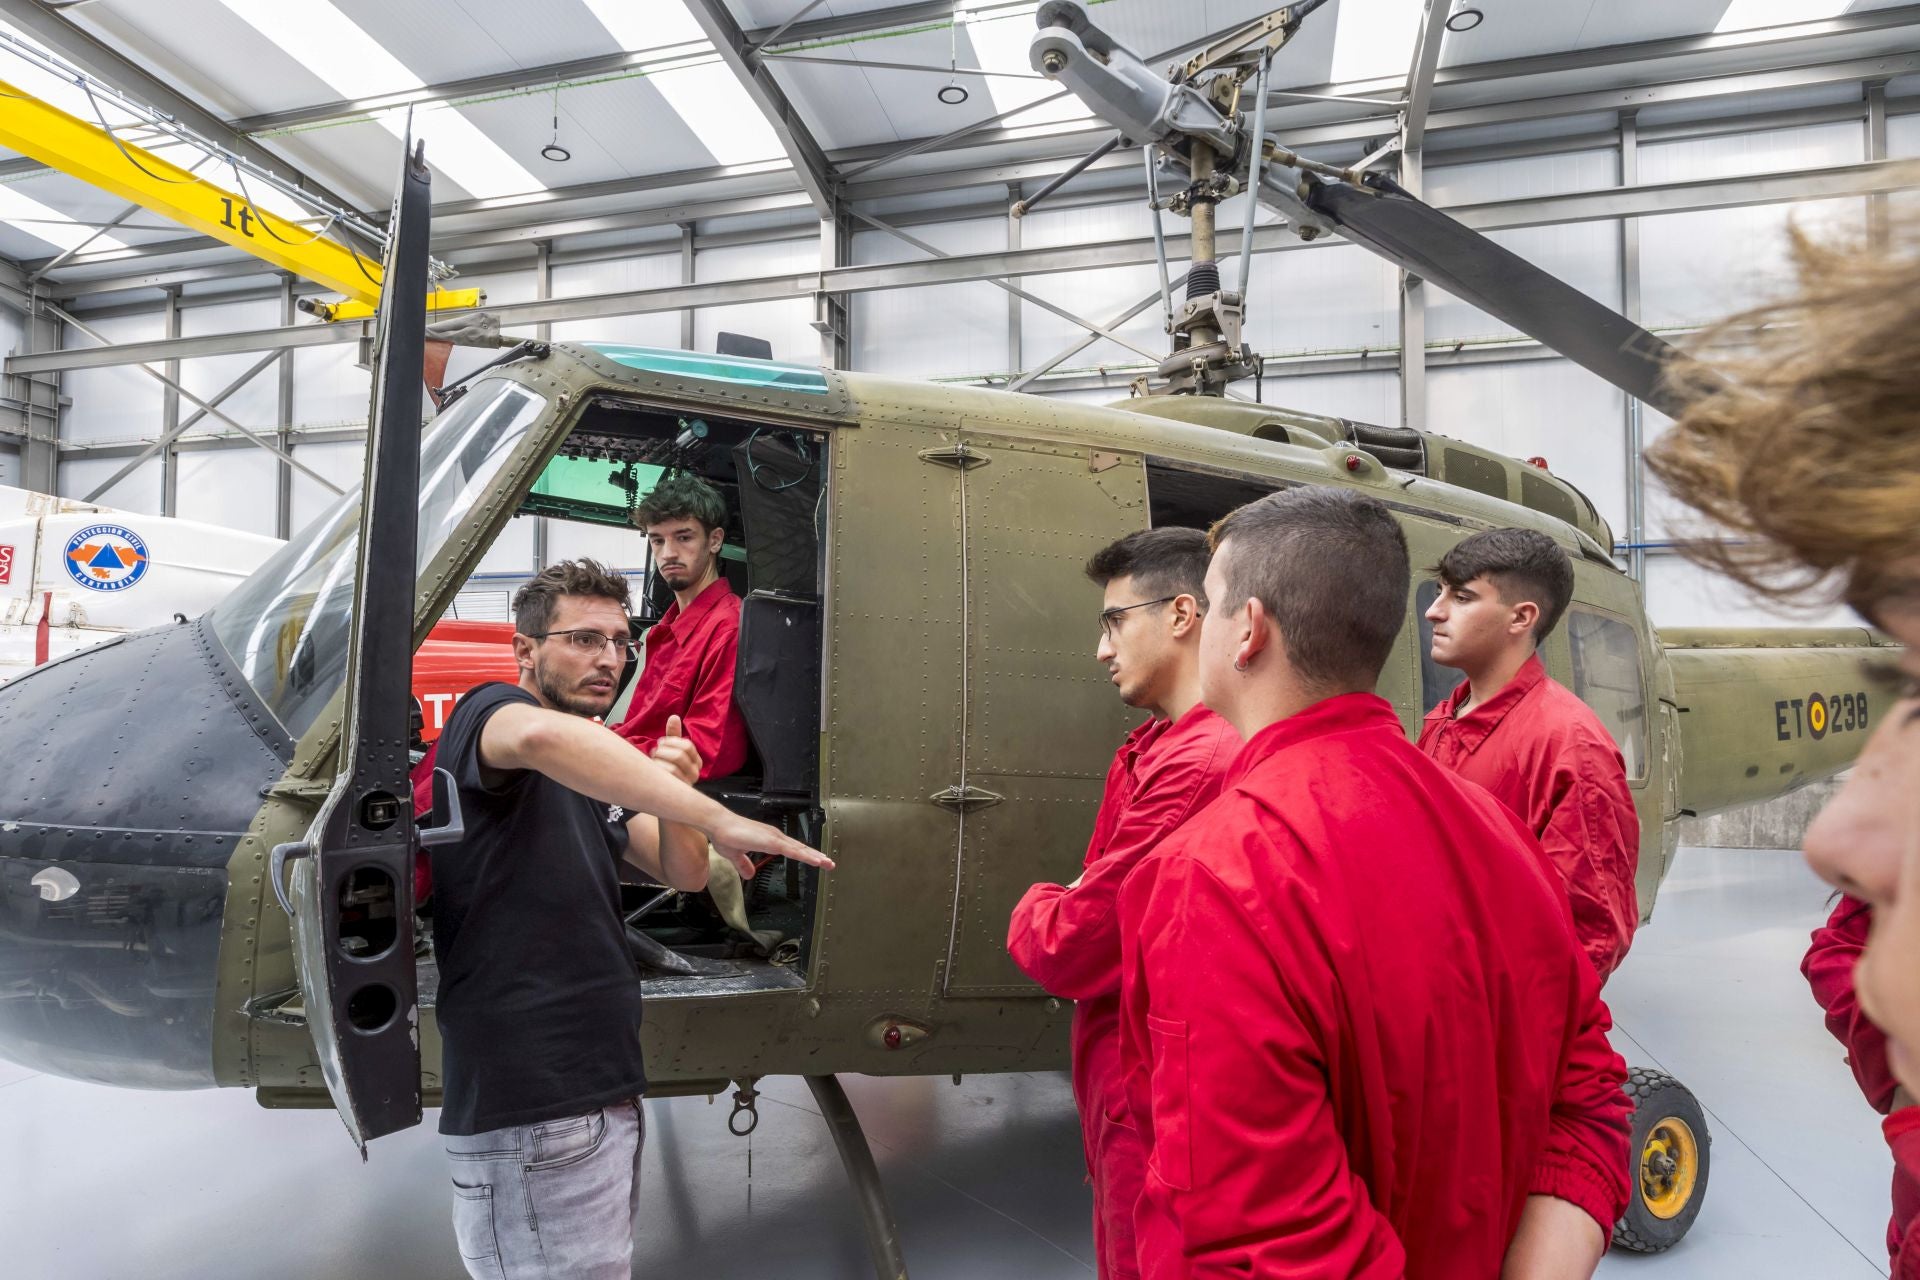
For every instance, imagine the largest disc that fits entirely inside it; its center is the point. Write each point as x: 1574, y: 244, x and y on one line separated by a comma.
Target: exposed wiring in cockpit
x: 753, y: 465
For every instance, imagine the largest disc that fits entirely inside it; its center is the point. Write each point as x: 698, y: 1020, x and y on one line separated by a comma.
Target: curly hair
x: 1802, y: 438
x: 681, y: 495
x: 533, y: 603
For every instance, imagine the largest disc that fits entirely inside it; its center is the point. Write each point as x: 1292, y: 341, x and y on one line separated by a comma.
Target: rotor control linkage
x: 1195, y: 122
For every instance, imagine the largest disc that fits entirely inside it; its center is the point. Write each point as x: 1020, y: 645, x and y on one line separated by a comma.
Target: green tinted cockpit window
x: 597, y: 491
x: 695, y: 364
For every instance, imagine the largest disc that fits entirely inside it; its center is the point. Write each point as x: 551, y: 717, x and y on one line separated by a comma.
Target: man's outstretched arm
x: 591, y: 759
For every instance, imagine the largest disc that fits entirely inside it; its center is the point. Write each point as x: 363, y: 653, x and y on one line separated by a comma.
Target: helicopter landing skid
x: 883, y: 1235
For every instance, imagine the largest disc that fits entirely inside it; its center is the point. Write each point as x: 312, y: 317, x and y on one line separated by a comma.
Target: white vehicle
x: 73, y: 574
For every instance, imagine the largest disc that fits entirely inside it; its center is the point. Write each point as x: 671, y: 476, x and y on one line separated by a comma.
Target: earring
x: 1239, y: 664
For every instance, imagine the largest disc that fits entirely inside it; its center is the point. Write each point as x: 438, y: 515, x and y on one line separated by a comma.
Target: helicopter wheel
x: 1671, y: 1147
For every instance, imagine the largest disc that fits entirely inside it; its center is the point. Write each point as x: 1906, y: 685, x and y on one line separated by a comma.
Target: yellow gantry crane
x: 92, y: 154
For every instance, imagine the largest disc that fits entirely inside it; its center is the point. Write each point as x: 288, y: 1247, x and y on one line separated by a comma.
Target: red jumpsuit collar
x: 703, y: 604
x: 1342, y: 713
x: 1474, y: 727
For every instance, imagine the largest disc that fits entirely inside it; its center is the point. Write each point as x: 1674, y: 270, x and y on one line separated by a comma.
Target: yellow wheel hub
x: 1669, y: 1166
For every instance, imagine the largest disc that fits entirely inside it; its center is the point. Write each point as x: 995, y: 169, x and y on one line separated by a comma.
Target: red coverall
x: 689, y: 673
x: 1356, y: 1026
x: 1068, y: 941
x: 1545, y: 755
x: 1828, y: 969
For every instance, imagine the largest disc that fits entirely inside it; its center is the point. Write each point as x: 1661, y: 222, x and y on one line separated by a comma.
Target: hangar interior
x: 836, y: 177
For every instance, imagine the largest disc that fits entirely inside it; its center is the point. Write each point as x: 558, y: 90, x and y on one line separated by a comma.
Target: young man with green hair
x: 691, y: 651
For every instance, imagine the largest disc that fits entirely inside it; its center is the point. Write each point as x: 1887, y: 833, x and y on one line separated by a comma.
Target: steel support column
x: 39, y: 394
x: 832, y: 316
x: 1413, y: 135
x: 1630, y: 308
x: 543, y: 290
x: 686, y: 278
x: 1413, y: 322
x: 283, y: 423
x: 1015, y: 360
x: 170, y: 414
x: 1876, y: 140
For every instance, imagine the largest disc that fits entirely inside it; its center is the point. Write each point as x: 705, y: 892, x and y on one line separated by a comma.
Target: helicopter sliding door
x: 1041, y: 720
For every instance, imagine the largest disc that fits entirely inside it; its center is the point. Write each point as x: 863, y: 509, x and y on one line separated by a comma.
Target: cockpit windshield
x: 287, y: 626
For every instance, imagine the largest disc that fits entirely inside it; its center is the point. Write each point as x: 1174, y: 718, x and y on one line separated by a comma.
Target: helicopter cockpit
x: 752, y: 936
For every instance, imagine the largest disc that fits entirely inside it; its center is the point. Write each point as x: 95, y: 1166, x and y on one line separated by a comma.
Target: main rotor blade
x: 1426, y: 242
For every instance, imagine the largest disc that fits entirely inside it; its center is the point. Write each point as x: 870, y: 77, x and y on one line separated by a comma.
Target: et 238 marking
x: 1816, y: 715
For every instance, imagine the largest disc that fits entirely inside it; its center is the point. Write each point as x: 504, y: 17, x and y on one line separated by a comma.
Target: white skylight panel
x: 328, y: 43
x: 26, y: 214
x: 1743, y: 15
x: 1000, y: 38
x: 1374, y: 39
x: 355, y: 65
x: 707, y: 96
x: 647, y: 24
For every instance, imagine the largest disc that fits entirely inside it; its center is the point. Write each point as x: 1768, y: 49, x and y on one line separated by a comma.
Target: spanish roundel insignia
x: 106, y: 557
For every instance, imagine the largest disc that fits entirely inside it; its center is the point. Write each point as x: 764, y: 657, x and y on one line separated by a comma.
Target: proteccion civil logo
x: 106, y: 557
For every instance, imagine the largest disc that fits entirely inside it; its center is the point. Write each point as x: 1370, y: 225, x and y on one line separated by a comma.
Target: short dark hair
x: 681, y: 495
x: 533, y: 603
x: 1162, y: 562
x: 1330, y: 567
x: 1522, y: 564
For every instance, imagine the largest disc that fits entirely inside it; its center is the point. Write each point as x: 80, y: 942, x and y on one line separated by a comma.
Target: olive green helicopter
x: 915, y: 671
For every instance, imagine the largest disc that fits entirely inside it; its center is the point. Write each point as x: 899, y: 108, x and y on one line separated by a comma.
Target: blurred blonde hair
x: 1802, y: 438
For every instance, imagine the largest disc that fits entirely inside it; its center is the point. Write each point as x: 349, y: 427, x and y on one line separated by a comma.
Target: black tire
x: 1665, y: 1117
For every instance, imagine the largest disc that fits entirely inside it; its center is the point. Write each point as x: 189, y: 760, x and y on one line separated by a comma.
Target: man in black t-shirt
x: 539, y: 1004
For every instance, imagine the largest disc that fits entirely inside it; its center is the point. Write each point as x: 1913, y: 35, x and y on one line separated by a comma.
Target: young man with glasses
x: 539, y: 1000
x: 1067, y: 938
x: 692, y: 650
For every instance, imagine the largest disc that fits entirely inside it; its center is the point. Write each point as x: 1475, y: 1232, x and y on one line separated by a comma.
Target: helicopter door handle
x: 446, y: 796
x: 965, y: 799
x: 282, y: 855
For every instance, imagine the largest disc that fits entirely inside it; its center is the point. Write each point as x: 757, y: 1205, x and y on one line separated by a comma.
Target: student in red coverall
x: 1524, y: 736
x: 1828, y: 969
x: 690, y: 653
x: 1357, y: 1029
x: 1067, y: 939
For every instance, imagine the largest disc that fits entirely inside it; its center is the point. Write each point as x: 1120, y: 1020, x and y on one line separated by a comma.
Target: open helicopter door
x: 352, y: 877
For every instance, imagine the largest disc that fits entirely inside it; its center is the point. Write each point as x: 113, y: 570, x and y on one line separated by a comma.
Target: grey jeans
x: 555, y: 1199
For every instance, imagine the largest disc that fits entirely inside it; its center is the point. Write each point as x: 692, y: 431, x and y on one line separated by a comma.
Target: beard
x: 575, y: 701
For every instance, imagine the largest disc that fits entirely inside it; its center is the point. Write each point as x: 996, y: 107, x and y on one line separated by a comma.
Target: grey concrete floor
x: 98, y: 1184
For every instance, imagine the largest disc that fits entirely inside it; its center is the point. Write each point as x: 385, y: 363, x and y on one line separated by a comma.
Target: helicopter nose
x: 134, y: 770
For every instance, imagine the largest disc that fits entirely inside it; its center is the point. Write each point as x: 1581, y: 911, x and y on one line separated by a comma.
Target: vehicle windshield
x: 288, y: 625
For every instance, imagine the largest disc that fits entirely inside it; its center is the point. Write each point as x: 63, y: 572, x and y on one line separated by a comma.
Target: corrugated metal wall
x: 1328, y: 301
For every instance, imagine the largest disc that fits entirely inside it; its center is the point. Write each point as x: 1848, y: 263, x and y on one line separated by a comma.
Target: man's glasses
x: 1110, y: 618
x: 588, y: 643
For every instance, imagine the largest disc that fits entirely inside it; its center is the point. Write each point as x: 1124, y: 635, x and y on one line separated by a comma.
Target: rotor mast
x: 1190, y: 119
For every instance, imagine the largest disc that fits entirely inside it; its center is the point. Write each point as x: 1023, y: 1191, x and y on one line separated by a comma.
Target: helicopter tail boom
x: 1765, y: 711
